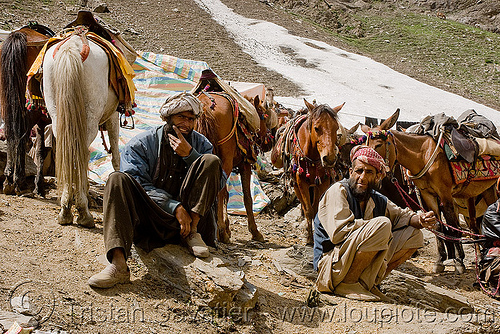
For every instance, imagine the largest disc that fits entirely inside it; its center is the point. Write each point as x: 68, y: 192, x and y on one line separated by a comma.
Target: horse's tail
x: 13, y: 82
x: 72, y: 154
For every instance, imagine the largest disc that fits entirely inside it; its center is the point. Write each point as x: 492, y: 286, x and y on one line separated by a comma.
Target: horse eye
x: 317, y: 129
x: 377, y: 146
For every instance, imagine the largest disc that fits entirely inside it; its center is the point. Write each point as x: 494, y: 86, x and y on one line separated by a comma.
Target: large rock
x: 209, y: 282
x: 7, y: 319
x: 295, y: 261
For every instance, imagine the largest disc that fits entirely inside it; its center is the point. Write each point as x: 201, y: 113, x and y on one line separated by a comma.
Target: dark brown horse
x: 307, y: 149
x: 219, y: 123
x: 433, y: 178
x: 19, y: 51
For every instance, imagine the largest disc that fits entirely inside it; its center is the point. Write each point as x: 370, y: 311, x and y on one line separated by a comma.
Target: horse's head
x: 323, y: 126
x: 344, y: 159
x: 381, y: 140
x: 268, y: 121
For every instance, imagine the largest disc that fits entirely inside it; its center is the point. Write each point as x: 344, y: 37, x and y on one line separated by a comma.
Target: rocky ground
x: 57, y: 261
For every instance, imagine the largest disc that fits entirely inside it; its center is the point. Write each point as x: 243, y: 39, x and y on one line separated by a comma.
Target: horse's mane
x: 317, y: 111
x: 207, y: 125
x: 13, y: 80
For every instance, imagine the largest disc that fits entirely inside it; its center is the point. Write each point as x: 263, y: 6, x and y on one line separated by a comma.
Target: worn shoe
x: 355, y: 291
x: 376, y: 291
x: 109, y: 277
x: 196, y: 245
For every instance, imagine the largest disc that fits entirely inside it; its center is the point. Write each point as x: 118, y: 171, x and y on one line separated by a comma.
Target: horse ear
x: 337, y: 108
x: 309, y: 106
x: 353, y: 129
x: 389, y: 123
x: 256, y: 101
x: 365, y: 128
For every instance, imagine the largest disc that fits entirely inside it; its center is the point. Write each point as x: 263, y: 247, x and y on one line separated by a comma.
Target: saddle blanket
x: 486, y: 168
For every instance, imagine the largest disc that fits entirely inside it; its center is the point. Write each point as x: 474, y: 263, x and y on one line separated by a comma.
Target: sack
x: 477, y: 125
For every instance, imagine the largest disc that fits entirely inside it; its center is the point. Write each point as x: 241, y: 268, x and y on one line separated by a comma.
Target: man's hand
x: 428, y: 220
x: 179, y: 144
x: 184, y: 220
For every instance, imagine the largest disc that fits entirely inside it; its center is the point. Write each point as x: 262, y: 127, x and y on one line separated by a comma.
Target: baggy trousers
x: 131, y: 216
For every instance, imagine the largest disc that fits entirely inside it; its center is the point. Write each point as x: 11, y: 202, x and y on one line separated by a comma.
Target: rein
x: 302, y: 155
x: 441, y: 235
x: 235, y: 115
x: 431, y: 160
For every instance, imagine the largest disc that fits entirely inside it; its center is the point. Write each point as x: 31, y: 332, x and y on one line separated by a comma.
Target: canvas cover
x: 156, y: 77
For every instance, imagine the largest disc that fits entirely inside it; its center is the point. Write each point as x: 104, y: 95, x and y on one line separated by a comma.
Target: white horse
x: 79, y: 98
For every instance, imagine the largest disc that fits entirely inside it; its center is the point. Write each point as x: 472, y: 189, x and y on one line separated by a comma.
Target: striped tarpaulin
x: 157, y: 77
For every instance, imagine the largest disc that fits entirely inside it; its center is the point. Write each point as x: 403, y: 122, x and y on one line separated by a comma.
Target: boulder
x: 208, y: 282
x: 295, y: 261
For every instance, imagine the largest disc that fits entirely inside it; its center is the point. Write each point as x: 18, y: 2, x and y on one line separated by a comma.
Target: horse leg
x: 223, y: 231
x: 8, y: 184
x: 432, y: 204
x: 40, y: 153
x: 246, y: 173
x: 454, y: 249
x: 302, y: 191
x: 20, y: 167
x: 113, y: 129
x: 84, y: 219
x: 65, y: 216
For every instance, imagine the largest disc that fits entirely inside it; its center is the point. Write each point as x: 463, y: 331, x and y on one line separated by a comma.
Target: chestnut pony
x: 437, y: 186
x: 307, y: 149
x: 219, y: 124
x: 19, y: 51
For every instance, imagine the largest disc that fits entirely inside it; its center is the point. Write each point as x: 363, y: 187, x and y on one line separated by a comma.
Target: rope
x: 437, y: 233
x: 431, y: 160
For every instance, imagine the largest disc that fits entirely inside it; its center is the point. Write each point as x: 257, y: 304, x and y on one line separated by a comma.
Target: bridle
x: 384, y: 136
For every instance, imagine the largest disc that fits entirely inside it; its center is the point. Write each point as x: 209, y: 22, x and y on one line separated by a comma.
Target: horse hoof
x: 65, y: 218
x: 438, y: 268
x: 86, y: 222
x: 258, y: 237
x: 9, y: 189
x: 224, y: 238
x: 459, y: 267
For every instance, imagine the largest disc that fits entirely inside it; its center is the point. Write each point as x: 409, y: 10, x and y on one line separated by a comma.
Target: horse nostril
x: 327, y: 161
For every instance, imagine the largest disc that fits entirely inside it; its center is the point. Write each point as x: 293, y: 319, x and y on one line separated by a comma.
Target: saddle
x: 86, y: 18
x: 209, y: 81
x: 102, y: 29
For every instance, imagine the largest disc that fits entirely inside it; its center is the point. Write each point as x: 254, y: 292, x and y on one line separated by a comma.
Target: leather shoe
x: 355, y: 291
x: 109, y: 277
x: 196, y: 245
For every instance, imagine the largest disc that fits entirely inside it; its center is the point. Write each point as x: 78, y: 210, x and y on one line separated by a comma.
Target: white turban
x: 179, y: 103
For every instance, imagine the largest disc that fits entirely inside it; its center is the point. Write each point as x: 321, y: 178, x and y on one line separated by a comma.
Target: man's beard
x: 362, y: 195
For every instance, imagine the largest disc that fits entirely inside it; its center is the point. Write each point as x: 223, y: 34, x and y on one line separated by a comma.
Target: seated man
x: 360, y: 235
x: 164, y: 192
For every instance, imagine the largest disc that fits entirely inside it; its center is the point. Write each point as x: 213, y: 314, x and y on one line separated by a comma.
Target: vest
x: 322, y: 243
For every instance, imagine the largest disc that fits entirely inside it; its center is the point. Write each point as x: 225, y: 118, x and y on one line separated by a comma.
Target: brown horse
x: 433, y: 177
x: 219, y: 123
x: 307, y: 149
x: 19, y: 51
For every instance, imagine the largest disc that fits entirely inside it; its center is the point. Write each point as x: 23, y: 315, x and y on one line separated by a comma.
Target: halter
x: 384, y: 135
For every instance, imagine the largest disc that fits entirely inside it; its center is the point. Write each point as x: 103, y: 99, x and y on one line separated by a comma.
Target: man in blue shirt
x: 164, y: 192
